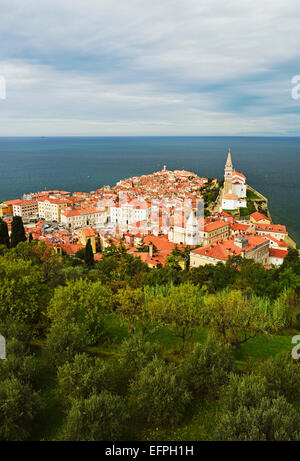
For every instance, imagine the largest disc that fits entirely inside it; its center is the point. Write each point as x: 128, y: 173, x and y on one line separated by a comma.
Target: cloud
x: 149, y: 67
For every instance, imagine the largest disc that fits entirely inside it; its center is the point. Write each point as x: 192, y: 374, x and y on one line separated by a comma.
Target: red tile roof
x: 223, y: 249
x: 278, y: 228
x: 89, y: 232
x: 277, y: 253
x: 214, y: 226
x: 239, y: 227
x: 259, y: 216
x: 161, y: 242
x: 230, y: 196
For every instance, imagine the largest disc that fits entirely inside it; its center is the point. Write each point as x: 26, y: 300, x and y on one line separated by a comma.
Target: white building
x: 25, y: 208
x: 50, y: 208
x: 82, y: 217
x: 130, y: 212
x: 276, y: 256
x: 276, y: 231
x: 239, y: 186
x: 231, y: 201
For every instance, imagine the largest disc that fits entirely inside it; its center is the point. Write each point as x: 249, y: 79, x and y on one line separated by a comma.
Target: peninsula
x: 151, y: 215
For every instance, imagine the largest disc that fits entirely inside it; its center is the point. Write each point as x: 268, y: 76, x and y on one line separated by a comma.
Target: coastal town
x: 153, y: 215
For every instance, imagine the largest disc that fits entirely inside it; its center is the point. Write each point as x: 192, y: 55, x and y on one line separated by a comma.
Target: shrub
x: 136, y: 353
x: 159, y: 393
x: 19, y: 405
x: 65, y: 339
x: 100, y: 417
x: 19, y: 364
x: 83, y: 377
x: 243, y: 391
x: 208, y: 366
x: 270, y: 420
x: 282, y: 376
x: 83, y: 302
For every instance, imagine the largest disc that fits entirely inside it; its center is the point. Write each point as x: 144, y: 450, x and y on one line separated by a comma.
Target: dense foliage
x: 112, y: 349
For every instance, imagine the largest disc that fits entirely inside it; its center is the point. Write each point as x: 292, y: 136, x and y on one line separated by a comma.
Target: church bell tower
x: 228, y: 174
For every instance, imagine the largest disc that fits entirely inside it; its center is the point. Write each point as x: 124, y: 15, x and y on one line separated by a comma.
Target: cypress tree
x: 89, y: 255
x: 4, y: 237
x: 17, y: 231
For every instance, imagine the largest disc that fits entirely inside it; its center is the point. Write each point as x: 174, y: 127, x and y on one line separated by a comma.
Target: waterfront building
x: 259, y: 218
x: 253, y: 247
x: 277, y: 231
x: 25, y: 208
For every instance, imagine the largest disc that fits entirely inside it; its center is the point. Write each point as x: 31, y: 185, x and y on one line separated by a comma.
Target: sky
x: 149, y: 67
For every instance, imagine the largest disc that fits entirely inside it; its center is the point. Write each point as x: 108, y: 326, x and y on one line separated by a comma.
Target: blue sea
x: 271, y: 164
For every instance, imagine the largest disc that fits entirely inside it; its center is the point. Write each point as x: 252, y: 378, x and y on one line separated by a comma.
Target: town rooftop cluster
x: 153, y: 214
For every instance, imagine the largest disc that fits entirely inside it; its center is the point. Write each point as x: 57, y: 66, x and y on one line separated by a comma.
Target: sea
x: 271, y: 165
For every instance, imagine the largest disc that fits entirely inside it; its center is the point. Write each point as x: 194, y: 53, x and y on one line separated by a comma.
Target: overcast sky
x: 149, y: 67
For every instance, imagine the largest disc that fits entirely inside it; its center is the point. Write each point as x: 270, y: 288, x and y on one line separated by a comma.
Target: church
x: 189, y: 230
x: 187, y: 233
x: 235, y: 189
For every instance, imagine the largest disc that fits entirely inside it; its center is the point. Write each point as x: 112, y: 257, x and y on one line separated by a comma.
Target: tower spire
x: 228, y: 173
x: 229, y: 161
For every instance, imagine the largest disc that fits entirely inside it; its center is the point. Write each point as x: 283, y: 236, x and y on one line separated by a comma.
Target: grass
x: 248, y: 210
x: 232, y: 212
x: 252, y: 196
x: 263, y: 347
x: 198, y: 425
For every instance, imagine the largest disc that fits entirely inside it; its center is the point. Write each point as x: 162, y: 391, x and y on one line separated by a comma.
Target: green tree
x: 82, y: 378
x: 212, y: 278
x: 136, y: 353
x: 178, y: 255
x: 23, y: 293
x: 19, y: 331
x: 243, y: 391
x: 83, y: 302
x: 237, y: 319
x: 271, y: 420
x: 159, y: 393
x: 282, y: 376
x: 132, y: 309
x: 64, y: 340
x: 17, y: 231
x: 291, y: 259
x: 53, y: 270
x: 88, y: 254
x: 252, y: 409
x: 100, y: 417
x: 19, y: 363
x: 208, y: 366
x: 179, y: 310
x: 4, y: 237
x: 19, y: 405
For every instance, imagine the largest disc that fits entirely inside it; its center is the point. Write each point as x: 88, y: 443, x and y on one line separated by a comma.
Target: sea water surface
x: 271, y: 165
